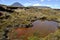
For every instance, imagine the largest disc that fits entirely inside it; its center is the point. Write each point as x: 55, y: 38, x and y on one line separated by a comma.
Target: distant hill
x: 17, y: 4
x: 57, y: 9
x: 40, y: 7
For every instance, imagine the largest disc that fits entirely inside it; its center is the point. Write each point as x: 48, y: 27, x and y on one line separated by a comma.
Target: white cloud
x: 51, y: 5
x: 37, y: 4
x: 27, y: 4
x: 48, y: 5
x: 42, y: 5
x: 55, y: 6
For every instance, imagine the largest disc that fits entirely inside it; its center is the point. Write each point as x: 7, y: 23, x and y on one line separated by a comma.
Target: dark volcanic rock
x: 1, y: 14
x: 5, y: 9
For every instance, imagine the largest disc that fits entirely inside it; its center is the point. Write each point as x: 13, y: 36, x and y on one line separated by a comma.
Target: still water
x: 41, y: 28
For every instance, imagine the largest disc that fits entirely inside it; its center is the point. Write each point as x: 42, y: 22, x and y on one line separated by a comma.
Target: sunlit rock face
x: 40, y: 28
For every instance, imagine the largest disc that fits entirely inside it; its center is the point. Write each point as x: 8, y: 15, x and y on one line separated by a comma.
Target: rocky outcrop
x: 5, y: 9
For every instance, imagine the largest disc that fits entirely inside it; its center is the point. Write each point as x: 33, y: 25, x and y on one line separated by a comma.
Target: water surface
x: 42, y: 28
x: 45, y: 27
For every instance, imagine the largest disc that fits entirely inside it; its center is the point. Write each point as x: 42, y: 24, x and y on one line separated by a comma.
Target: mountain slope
x: 16, y: 4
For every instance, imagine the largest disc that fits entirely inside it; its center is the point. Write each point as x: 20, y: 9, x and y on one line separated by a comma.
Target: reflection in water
x: 43, y: 28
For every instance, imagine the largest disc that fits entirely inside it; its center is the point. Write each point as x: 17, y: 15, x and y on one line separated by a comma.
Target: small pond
x: 41, y: 28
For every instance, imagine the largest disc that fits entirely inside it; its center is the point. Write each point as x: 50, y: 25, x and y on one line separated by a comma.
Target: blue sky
x: 50, y: 3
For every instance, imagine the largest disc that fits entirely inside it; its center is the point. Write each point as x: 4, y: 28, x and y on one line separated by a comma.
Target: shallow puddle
x: 41, y: 28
